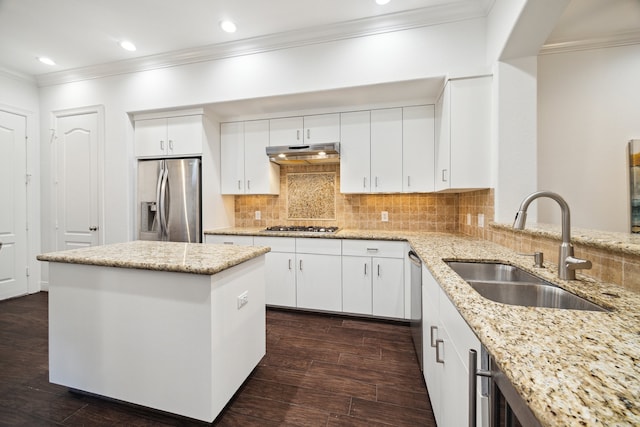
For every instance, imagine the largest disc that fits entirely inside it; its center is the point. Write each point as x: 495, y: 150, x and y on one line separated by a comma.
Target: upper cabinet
x: 418, y: 135
x: 169, y: 136
x: 463, y: 135
x: 245, y: 167
x: 315, y: 129
x: 387, y: 151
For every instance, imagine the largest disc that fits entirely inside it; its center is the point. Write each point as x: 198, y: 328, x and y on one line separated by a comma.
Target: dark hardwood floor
x: 319, y: 370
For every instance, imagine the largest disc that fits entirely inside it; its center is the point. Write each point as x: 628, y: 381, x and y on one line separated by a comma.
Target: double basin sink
x: 508, y: 284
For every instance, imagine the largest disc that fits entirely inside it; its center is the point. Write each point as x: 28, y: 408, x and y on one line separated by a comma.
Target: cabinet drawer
x: 318, y: 246
x: 375, y: 248
x: 277, y: 244
x: 222, y: 239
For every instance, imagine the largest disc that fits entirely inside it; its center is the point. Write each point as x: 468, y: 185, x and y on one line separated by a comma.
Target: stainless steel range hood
x: 305, y: 154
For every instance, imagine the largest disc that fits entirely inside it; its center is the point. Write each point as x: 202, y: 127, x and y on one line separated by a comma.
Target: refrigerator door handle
x: 157, y: 219
x: 163, y: 202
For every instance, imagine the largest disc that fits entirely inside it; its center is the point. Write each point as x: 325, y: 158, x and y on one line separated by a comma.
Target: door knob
x: 94, y: 228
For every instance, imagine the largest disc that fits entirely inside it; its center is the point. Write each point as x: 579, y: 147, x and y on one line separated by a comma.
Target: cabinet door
x: 356, y: 285
x: 443, y: 140
x: 280, y: 279
x: 261, y: 175
x: 151, y: 138
x: 232, y: 158
x: 418, y: 161
x: 184, y: 135
x: 386, y: 150
x: 470, y: 121
x: 319, y: 282
x: 430, y: 333
x: 388, y: 287
x: 322, y: 128
x: 286, y: 131
x: 355, y: 152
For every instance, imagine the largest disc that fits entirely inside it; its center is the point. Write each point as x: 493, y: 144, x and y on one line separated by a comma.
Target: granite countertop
x: 572, y: 367
x: 626, y: 243
x: 196, y: 258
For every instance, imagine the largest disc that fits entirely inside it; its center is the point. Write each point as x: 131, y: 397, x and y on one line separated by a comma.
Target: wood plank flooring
x: 319, y: 370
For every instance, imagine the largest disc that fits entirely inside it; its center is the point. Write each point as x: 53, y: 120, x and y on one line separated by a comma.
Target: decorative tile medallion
x: 311, y: 195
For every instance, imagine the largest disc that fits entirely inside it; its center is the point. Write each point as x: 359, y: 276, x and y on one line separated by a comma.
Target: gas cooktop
x: 301, y: 229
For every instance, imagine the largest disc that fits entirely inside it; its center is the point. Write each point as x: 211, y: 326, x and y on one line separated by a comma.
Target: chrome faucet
x: 567, y: 263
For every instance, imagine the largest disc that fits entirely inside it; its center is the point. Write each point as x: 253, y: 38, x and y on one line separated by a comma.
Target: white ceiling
x: 84, y: 33
x: 81, y: 33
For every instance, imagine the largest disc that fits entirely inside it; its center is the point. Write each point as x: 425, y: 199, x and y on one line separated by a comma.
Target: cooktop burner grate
x: 302, y: 229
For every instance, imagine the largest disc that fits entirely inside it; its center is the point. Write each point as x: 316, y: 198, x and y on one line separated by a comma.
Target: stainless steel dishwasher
x: 416, y: 304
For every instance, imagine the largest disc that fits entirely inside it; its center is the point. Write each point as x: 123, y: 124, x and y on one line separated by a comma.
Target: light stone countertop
x: 195, y: 258
x: 573, y: 368
x: 627, y: 243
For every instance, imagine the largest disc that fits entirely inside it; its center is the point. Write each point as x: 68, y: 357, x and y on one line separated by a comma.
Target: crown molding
x: 399, y: 21
x: 15, y: 75
x: 602, y: 42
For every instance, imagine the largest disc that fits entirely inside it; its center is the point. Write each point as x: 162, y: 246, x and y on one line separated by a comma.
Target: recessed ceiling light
x: 382, y: 2
x: 228, y: 26
x: 46, y: 60
x: 127, y: 45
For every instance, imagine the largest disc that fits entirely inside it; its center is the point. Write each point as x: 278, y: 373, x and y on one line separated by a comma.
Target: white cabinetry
x: 447, y: 340
x: 228, y: 239
x: 245, y: 167
x: 319, y: 128
x: 169, y: 136
x: 319, y: 282
x: 280, y: 270
x: 373, y: 278
x: 463, y: 135
x: 355, y: 152
x: 418, y: 135
x: 387, y: 151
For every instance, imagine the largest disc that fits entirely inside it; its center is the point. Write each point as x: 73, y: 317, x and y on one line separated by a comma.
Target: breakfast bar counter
x: 176, y: 327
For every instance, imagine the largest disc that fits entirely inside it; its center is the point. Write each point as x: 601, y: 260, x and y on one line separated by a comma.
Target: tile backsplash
x: 421, y: 212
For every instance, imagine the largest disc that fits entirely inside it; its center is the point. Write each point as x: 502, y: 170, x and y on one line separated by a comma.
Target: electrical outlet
x: 481, y: 220
x: 258, y: 215
x: 384, y: 217
x: 243, y: 299
x: 468, y: 219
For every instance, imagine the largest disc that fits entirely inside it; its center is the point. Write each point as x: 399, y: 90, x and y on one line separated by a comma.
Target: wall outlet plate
x: 384, y: 217
x: 258, y: 215
x: 243, y: 299
x: 481, y: 220
x: 468, y: 219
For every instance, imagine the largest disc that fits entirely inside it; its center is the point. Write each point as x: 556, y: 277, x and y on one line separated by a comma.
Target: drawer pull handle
x: 433, y: 328
x: 438, y: 358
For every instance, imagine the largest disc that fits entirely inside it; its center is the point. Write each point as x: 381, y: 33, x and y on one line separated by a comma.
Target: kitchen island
x: 570, y: 367
x: 171, y: 326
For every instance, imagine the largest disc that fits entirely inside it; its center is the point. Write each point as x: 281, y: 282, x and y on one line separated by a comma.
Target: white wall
x: 588, y: 109
x: 456, y: 48
x: 20, y: 96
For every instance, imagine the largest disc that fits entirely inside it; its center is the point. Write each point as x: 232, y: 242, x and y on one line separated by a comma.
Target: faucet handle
x: 573, y: 263
x: 538, y: 259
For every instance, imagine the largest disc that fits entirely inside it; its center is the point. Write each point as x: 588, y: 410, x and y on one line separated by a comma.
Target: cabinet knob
x: 170, y: 144
x: 438, y: 358
x: 161, y: 145
x: 444, y: 175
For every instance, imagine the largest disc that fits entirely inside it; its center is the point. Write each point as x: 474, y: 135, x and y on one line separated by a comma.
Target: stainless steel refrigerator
x: 169, y: 200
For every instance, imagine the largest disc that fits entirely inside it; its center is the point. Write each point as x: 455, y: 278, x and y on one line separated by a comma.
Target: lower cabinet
x: 303, y: 272
x: 373, y: 278
x: 319, y: 283
x: 447, y: 340
x: 280, y: 270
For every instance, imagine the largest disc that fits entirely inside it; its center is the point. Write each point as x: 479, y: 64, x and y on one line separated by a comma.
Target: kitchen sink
x: 508, y: 284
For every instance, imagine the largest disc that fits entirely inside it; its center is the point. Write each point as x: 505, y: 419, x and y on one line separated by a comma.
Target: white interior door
x: 13, y: 197
x: 77, y: 195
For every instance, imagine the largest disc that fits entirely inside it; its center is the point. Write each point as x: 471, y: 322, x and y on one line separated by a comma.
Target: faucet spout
x: 567, y: 264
